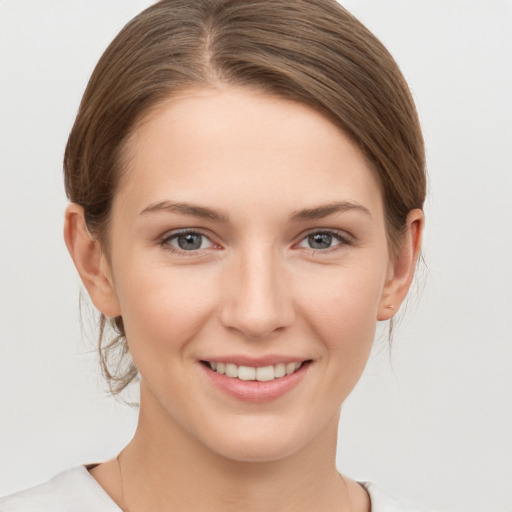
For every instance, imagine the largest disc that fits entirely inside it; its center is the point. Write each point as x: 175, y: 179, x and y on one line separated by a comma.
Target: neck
x: 166, y: 469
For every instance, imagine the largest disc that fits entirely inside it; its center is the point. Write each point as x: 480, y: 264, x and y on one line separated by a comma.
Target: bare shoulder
x: 359, y: 497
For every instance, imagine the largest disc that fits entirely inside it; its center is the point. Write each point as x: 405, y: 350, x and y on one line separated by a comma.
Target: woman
x: 246, y: 183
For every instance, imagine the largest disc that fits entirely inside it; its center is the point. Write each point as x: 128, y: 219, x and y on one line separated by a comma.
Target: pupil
x: 190, y: 241
x: 320, y: 241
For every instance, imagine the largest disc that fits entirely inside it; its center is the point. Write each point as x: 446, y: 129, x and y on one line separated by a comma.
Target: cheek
x: 342, y: 309
x: 163, y: 308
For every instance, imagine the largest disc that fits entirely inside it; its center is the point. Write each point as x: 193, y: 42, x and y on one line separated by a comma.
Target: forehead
x: 243, y: 147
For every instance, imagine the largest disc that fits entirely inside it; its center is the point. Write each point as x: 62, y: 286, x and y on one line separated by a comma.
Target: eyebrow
x: 204, y: 212
x: 322, y: 211
x: 187, y: 209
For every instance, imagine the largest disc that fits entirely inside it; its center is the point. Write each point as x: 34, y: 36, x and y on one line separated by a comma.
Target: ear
x: 90, y: 261
x: 401, y: 270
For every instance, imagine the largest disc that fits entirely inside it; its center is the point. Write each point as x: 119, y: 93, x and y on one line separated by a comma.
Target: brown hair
x: 311, y: 51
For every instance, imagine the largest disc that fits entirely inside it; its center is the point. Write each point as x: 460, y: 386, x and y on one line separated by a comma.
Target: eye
x: 187, y: 241
x: 322, y: 240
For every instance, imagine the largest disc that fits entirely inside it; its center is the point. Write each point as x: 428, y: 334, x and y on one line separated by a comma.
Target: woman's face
x: 247, y: 235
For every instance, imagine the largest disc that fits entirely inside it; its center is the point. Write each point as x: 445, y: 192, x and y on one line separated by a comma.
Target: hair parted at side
x: 311, y: 51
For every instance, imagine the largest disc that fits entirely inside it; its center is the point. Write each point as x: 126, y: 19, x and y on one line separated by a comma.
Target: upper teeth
x: 262, y: 373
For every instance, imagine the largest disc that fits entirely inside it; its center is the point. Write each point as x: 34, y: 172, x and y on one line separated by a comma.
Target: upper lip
x: 268, y: 360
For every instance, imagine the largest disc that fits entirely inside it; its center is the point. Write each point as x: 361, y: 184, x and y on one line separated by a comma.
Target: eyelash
x: 165, y: 242
x: 343, y: 239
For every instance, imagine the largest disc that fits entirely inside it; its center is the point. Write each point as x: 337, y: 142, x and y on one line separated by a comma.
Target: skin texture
x: 255, y: 288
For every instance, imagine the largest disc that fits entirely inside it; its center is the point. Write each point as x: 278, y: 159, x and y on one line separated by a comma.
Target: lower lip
x: 255, y: 391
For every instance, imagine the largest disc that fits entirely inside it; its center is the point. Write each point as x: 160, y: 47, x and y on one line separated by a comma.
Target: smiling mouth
x: 261, y: 374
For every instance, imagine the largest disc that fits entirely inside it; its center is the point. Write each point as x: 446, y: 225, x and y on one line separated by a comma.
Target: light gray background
x: 435, y: 424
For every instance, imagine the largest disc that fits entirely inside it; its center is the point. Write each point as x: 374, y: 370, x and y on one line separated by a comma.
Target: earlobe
x: 90, y: 261
x: 403, y: 267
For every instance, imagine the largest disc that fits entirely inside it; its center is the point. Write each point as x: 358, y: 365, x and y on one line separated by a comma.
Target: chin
x: 263, y: 440
x: 258, y: 450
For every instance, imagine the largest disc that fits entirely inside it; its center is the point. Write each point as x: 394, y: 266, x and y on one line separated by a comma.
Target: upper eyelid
x: 344, y: 235
x: 173, y: 234
x: 345, y: 240
x: 183, y: 231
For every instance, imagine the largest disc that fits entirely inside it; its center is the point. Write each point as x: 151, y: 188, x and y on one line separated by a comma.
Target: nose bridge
x: 258, y: 302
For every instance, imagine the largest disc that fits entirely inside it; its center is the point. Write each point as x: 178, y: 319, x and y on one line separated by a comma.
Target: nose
x: 257, y: 299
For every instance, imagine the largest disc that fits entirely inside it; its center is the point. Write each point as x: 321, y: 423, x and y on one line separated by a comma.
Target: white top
x: 75, y: 490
